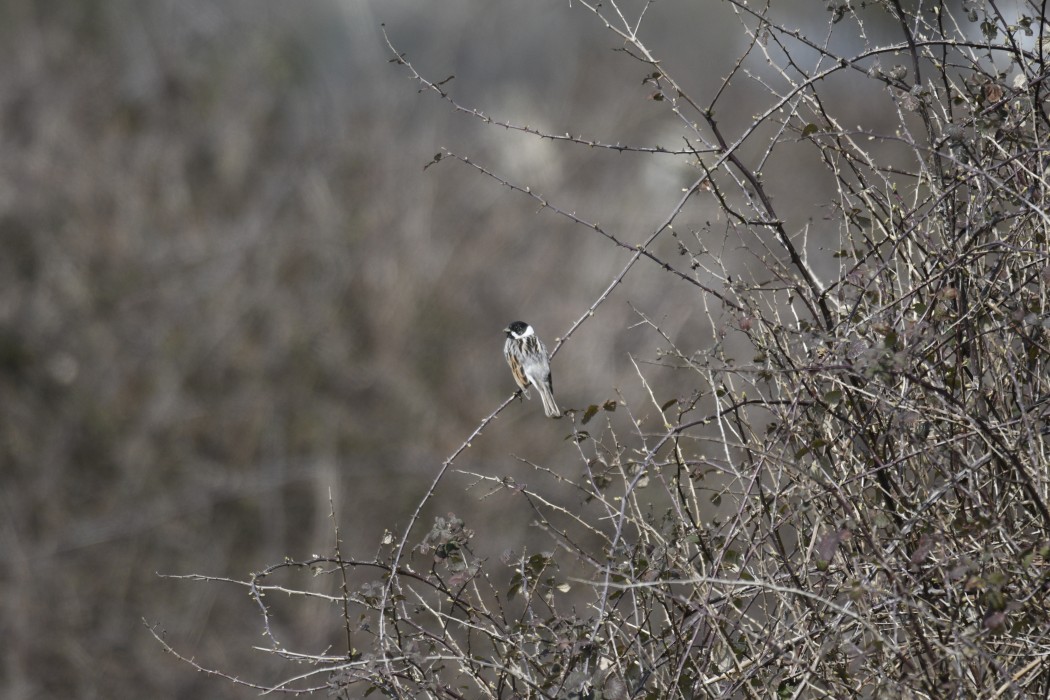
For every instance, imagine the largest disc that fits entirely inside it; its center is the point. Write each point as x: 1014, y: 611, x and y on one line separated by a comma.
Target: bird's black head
x: 516, y: 329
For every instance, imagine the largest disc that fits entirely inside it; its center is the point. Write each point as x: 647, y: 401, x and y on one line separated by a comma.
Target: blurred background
x: 232, y: 299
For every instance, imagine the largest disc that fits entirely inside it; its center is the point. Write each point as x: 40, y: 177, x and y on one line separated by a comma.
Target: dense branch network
x: 856, y: 501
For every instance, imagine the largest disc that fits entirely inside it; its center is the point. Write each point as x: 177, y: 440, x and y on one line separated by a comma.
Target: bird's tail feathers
x: 549, y: 407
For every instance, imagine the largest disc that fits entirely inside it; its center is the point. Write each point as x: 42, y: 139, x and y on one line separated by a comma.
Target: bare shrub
x: 844, y: 492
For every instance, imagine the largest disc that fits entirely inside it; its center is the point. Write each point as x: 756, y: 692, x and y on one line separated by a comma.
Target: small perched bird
x: 528, y: 362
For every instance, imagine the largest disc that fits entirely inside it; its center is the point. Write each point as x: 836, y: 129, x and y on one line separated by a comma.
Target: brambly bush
x: 843, y: 490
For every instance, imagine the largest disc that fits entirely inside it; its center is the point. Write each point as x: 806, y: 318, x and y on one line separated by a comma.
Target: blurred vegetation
x: 228, y: 291
x: 238, y: 320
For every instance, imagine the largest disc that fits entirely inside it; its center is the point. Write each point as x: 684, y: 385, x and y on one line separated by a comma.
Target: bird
x: 528, y: 362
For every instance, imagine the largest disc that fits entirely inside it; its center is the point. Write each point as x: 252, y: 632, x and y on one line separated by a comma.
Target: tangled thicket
x: 849, y: 492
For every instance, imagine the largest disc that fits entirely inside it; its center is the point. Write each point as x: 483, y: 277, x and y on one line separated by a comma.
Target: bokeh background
x: 232, y: 299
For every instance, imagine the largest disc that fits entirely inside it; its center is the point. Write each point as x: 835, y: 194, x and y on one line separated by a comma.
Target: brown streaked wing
x: 515, y: 369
